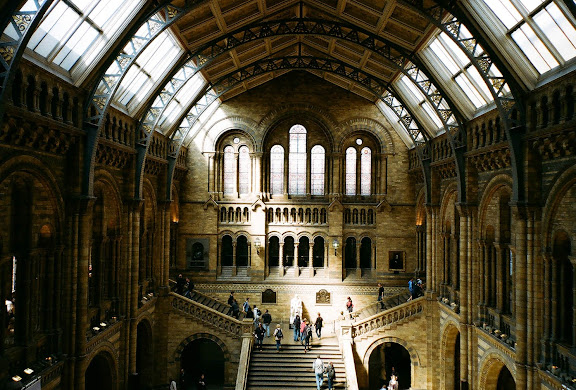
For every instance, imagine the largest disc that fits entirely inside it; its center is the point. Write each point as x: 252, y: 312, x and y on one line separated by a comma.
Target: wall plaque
x: 323, y: 297
x: 268, y: 296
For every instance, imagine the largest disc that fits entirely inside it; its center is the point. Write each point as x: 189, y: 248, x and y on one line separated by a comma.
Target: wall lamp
x: 257, y: 244
x: 335, y: 245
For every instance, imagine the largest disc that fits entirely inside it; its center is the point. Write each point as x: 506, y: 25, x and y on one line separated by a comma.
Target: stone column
x: 257, y: 174
x: 311, y: 259
x: 519, y: 230
x: 134, y: 270
x: 234, y: 258
x: 85, y: 209
x: 547, y: 297
x: 296, y: 258
x: 464, y: 288
x: 358, y: 269
x: 281, y: 259
x: 500, y: 277
x: 573, y: 262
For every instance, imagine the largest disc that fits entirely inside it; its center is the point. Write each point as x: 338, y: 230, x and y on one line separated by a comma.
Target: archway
x: 99, y: 374
x: 144, y: 361
x: 203, y: 356
x: 505, y: 380
x: 386, y: 359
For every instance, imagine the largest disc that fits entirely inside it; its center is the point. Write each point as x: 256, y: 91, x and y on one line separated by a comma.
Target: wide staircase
x: 291, y: 368
x: 377, y: 307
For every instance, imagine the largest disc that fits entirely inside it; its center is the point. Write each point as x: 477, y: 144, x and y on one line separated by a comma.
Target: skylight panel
x: 505, y: 11
x: 418, y: 103
x: 534, y: 48
x: 395, y: 123
x: 150, y: 66
x: 182, y: 100
x: 75, y: 29
x: 558, y: 30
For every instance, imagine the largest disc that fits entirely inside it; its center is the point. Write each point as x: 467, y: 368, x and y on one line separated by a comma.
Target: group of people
x: 320, y: 369
x: 184, y: 286
x: 304, y: 329
x: 416, y: 288
x: 186, y: 382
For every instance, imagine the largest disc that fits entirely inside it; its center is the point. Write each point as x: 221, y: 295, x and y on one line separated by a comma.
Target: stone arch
x: 144, y: 351
x: 450, y: 332
x: 184, y: 343
x: 450, y: 191
x: 563, y: 184
x: 102, y: 358
x: 319, y: 115
x: 230, y: 124
x: 376, y: 129
x: 289, y: 234
x: 414, y: 357
x: 490, y: 367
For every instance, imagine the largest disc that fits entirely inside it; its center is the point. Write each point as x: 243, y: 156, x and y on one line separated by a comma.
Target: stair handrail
x: 210, y: 316
x: 396, y: 298
x: 387, y: 317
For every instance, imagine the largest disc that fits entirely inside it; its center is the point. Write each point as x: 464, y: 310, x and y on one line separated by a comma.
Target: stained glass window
x: 229, y: 170
x: 297, y: 161
x: 365, y: 171
x: 350, y: 171
x: 317, y: 167
x: 243, y: 170
x: 277, y: 170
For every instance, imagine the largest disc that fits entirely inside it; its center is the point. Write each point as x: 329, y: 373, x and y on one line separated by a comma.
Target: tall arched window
x: 242, y: 251
x: 366, y: 253
x: 288, y: 252
x: 273, y: 252
x: 277, y: 170
x: 297, y: 161
x: 317, y: 167
x: 350, y: 171
x: 303, y: 252
x: 229, y: 171
x: 318, y: 253
x: 365, y: 171
x: 243, y: 170
x: 226, y: 256
x: 350, y: 253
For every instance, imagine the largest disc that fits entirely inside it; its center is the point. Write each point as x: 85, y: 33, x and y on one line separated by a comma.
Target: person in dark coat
x: 201, y: 383
x: 260, y: 332
x: 235, y: 309
x: 180, y: 282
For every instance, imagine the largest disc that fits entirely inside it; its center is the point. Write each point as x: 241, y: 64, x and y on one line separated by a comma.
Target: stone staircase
x: 291, y: 368
x: 385, y: 304
x: 212, y: 303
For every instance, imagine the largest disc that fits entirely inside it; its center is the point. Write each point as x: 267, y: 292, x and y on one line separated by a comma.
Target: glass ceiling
x: 533, y: 34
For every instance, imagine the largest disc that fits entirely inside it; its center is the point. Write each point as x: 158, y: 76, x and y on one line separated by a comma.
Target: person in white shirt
x: 318, y: 367
x: 173, y: 385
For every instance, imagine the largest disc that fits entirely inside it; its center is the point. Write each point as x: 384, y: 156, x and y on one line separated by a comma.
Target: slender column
x: 546, y: 334
x: 358, y: 269
x: 311, y: 258
x: 296, y: 259
x: 519, y: 228
x: 573, y: 262
x: 234, y: 258
x: 134, y: 279
x: 166, y: 255
x: 464, y: 329
x: 257, y: 174
x: 530, y: 347
x: 281, y: 259
x: 500, y: 277
x: 212, y: 175
x: 84, y: 238
x: 554, y: 301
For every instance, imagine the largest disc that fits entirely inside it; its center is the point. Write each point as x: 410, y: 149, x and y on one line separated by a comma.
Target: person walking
x: 257, y: 314
x: 381, y: 295
x: 318, y: 324
x: 173, y: 385
x: 349, y: 306
x: 278, y: 337
x: 246, y: 305
x: 307, y: 336
x: 235, y: 309
x: 330, y: 375
x: 231, y: 298
x: 303, y: 330
x: 411, y: 288
x: 259, y: 333
x: 318, y: 367
x: 266, y: 320
x: 201, y: 385
x: 296, y: 325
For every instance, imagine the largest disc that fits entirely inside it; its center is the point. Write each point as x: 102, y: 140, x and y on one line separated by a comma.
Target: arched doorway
x: 505, y: 380
x: 386, y: 359
x: 99, y: 374
x: 144, y: 362
x: 204, y: 356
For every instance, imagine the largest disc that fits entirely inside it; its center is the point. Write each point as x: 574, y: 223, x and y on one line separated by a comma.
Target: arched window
x: 242, y: 252
x: 350, y: 171
x: 273, y: 252
x: 365, y: 171
x: 366, y: 253
x: 297, y: 161
x: 303, y: 252
x: 317, y: 168
x: 226, y: 256
x: 350, y: 253
x: 229, y: 171
x: 318, y: 253
x: 288, y: 251
x: 277, y: 170
x: 243, y: 170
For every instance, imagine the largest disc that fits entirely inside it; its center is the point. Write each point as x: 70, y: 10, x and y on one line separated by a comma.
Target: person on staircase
x: 318, y: 367
x: 266, y: 320
x: 307, y: 335
x: 278, y: 337
x: 349, y: 306
x: 318, y: 325
x: 259, y: 333
x: 303, y: 330
x: 235, y: 309
x: 330, y: 375
x: 296, y: 325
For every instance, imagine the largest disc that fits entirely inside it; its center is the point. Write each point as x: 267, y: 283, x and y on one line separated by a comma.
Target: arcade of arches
x: 288, y: 178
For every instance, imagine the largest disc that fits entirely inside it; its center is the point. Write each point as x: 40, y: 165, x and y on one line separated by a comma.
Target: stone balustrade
x: 388, y: 317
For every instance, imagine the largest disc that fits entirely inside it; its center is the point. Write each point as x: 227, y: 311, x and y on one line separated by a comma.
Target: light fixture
x: 257, y: 244
x: 95, y: 329
x: 335, y: 245
x: 28, y: 371
x: 103, y: 324
x: 16, y: 378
